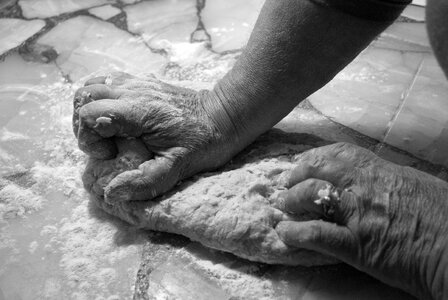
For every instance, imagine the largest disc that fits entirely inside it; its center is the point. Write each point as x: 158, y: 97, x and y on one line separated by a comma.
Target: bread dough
x: 232, y: 210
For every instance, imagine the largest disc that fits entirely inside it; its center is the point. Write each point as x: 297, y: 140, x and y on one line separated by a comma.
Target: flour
x: 47, y: 226
x: 239, y: 281
x: 16, y: 201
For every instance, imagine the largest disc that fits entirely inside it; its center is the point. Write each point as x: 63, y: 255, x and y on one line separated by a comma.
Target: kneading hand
x: 177, y: 125
x: 384, y: 219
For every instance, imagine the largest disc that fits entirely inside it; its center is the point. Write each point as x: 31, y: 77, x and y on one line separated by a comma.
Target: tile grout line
x: 404, y: 97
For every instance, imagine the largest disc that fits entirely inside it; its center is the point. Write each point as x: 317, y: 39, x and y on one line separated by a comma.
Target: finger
x: 99, y: 91
x: 152, y: 178
x: 118, y: 78
x: 308, y: 198
x: 300, y: 199
x: 346, y: 152
x: 324, y: 237
x: 99, y: 173
x: 333, y: 170
x: 103, y: 119
x: 96, y: 80
x: 91, y: 93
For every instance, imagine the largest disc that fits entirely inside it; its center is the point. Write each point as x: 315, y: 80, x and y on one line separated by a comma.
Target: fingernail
x: 104, y: 120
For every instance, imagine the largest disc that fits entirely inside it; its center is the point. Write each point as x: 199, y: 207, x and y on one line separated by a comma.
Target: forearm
x: 297, y: 46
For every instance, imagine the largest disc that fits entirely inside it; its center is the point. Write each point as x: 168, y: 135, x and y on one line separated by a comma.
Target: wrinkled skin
x: 172, y: 122
x: 390, y: 223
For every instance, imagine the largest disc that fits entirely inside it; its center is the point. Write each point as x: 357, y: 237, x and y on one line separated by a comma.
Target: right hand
x: 187, y: 131
x: 390, y: 222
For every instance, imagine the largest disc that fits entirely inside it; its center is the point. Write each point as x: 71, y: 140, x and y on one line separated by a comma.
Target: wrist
x: 244, y: 108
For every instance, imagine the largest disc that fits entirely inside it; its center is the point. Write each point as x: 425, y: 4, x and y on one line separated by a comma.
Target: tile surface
x: 163, y: 21
x: 97, y: 46
x: 57, y: 245
x: 49, y: 8
x: 14, y: 32
x: 105, y: 12
x: 365, y: 95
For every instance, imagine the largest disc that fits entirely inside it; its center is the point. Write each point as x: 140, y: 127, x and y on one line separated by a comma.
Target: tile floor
x: 54, y: 245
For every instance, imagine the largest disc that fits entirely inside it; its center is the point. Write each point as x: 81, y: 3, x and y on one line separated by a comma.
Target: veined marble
x: 49, y: 8
x: 95, y: 46
x: 159, y: 21
x: 13, y: 32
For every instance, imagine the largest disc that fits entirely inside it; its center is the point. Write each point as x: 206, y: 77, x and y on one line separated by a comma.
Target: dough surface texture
x: 232, y: 210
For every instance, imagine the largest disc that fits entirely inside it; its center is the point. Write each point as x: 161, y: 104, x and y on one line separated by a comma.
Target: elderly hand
x: 185, y: 130
x: 384, y: 219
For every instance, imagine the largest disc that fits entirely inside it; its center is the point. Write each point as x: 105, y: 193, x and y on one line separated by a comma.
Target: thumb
x: 151, y: 179
x: 320, y: 236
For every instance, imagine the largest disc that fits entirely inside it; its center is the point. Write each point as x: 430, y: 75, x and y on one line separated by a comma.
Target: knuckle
x: 339, y: 148
x: 119, y: 78
x: 313, y: 183
x: 315, y: 231
x: 83, y: 113
x: 79, y: 91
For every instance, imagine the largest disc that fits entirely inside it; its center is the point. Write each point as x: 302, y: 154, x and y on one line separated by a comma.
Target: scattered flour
x: 235, y: 281
x: 16, y: 201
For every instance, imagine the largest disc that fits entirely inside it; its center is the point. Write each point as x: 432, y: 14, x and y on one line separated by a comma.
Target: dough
x: 232, y: 210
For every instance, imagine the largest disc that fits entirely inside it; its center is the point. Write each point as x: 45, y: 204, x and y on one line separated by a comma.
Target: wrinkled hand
x: 391, y: 221
x: 173, y: 123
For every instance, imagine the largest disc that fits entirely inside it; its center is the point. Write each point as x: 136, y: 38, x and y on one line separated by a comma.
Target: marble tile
x: 230, y: 22
x: 176, y: 278
x: 365, y: 95
x: 13, y: 32
x: 23, y: 90
x: 49, y: 8
x: 414, y: 33
x: 392, y: 43
x: 15, y: 71
x: 414, y: 12
x: 96, y: 46
x: 105, y: 12
x: 53, y: 241
x: 380, y: 94
x: 130, y: 1
x: 160, y: 21
x: 421, y: 124
x: 419, y: 2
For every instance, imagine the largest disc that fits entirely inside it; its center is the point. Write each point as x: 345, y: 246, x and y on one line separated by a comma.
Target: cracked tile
x: 421, y: 126
x: 394, y: 92
x: 419, y: 2
x: 13, y: 32
x: 159, y: 21
x: 130, y: 1
x: 230, y: 22
x: 105, y: 12
x: 99, y: 47
x: 365, y: 95
x: 23, y: 89
x: 414, y: 12
x: 414, y: 33
x: 15, y: 70
x: 49, y: 8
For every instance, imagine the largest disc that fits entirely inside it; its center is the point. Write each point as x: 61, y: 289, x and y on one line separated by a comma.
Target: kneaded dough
x: 232, y: 210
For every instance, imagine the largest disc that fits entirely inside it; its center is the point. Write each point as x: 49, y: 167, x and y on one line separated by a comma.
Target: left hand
x: 184, y: 132
x: 384, y: 219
